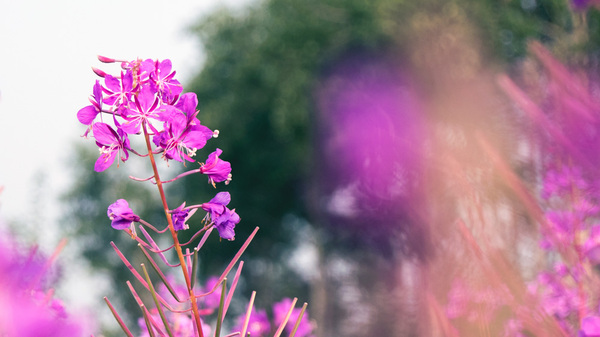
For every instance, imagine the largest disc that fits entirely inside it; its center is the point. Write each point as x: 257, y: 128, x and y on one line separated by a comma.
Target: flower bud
x: 98, y: 72
x: 105, y: 59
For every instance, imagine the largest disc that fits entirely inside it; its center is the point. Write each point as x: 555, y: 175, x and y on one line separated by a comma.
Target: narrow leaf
x: 232, y: 263
x: 147, y: 320
x: 233, y: 286
x: 153, y: 292
x: 160, y: 274
x: 299, y: 319
x: 118, y: 318
x: 221, y: 304
x: 144, y: 309
x: 285, y: 320
x: 248, y: 313
x: 194, y: 267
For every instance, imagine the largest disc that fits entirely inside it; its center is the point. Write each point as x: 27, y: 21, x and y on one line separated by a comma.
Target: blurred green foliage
x: 263, y: 65
x: 256, y: 88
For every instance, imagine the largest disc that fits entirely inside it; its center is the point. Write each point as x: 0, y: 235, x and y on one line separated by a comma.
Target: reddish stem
x: 173, y: 233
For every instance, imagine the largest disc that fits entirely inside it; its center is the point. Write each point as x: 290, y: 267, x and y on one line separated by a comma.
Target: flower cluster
x: 563, y: 298
x: 147, y: 99
x: 569, y: 198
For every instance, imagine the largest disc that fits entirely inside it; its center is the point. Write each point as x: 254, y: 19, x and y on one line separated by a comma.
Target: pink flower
x: 118, y: 90
x: 162, y: 81
x: 216, y: 169
x: 180, y: 215
x: 87, y: 114
x: 222, y: 217
x: 121, y: 216
x: 110, y: 143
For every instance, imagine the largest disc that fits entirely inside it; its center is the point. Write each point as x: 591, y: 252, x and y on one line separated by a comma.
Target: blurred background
x: 356, y: 131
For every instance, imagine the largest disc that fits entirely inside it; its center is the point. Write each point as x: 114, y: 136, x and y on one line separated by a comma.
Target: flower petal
x: 87, y: 115
x: 222, y: 198
x: 105, y: 160
x: 104, y: 134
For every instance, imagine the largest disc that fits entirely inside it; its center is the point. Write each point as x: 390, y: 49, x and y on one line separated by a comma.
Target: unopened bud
x: 99, y: 72
x: 105, y: 59
x: 216, y: 134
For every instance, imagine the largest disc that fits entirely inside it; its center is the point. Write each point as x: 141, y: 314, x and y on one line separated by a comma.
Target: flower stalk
x: 177, y: 247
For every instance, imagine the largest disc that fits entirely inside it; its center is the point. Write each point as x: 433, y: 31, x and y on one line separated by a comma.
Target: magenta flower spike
x: 121, y: 216
x: 216, y: 169
x: 180, y: 139
x: 87, y: 114
x: 111, y: 143
x: 145, y: 99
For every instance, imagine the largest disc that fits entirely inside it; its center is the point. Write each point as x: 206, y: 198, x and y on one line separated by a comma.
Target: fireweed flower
x: 187, y: 104
x: 180, y: 140
x: 183, y: 134
x: 222, y: 217
x: 216, y: 169
x: 121, y: 216
x: 143, y: 108
x: 111, y: 144
x: 87, y: 114
x: 180, y: 215
x: 162, y: 80
x: 118, y: 91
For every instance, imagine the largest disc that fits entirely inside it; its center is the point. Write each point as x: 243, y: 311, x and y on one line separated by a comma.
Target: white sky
x: 47, y: 49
